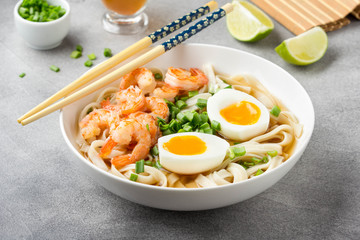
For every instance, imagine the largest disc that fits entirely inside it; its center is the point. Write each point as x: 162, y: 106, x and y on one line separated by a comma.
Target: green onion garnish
x: 75, y: 54
x: 133, y: 177
x: 187, y: 127
x: 107, y: 52
x: 189, y: 116
x: 148, y: 163
x: 79, y: 48
x: 215, y: 125
x: 258, y: 172
x: 264, y: 159
x: 157, y: 164
x: 92, y: 56
x: 228, y: 87
x: 181, y: 104
x: 201, y: 103
x: 154, y: 151
x: 272, y: 153
x: 22, y: 75
x: 255, y: 160
x: 193, y: 93
x: 54, y: 68
x: 181, y: 130
x: 236, y: 152
x: 139, y: 166
x: 204, y: 117
x: 167, y: 132
x: 88, y: 63
x: 275, y: 111
x: 157, y: 76
x: 147, y: 127
x: 40, y: 11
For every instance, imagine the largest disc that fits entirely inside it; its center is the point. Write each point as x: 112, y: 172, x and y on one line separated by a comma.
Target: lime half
x: 305, y: 48
x: 248, y: 23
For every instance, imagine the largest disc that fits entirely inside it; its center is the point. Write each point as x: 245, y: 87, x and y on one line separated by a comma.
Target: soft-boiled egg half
x: 191, y: 152
x: 241, y: 116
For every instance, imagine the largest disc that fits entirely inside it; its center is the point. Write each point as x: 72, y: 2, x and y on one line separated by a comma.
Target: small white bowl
x: 225, y: 60
x: 44, y: 35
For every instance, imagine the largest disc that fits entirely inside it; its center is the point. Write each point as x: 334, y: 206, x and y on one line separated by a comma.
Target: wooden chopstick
x: 138, y: 62
x: 123, y: 55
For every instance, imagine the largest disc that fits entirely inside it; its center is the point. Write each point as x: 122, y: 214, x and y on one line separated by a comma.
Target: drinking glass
x: 125, y: 16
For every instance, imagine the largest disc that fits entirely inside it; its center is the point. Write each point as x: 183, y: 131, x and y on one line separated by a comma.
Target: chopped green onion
x: 204, y: 117
x: 88, y: 63
x: 147, y: 127
x: 148, y: 163
x: 92, y: 56
x: 184, y: 98
x: 170, y: 104
x: 22, y: 75
x: 187, y: 127
x: 139, y: 166
x: 196, y: 119
x: 201, y: 103
x: 181, y: 104
x: 228, y: 87
x: 193, y: 93
x: 205, y: 126
x: 133, y: 177
x: 256, y: 160
x: 236, y: 152
x: 209, y: 131
x: 174, y: 125
x: 264, y: 159
x: 75, y: 54
x: 157, y: 76
x: 249, y: 164
x: 275, y: 111
x: 215, y: 125
x: 107, y: 52
x: 167, y: 132
x: 272, y: 153
x: 181, y: 117
x: 258, y: 172
x: 54, y: 68
x: 157, y: 164
x: 40, y: 11
x: 181, y: 130
x: 163, y: 127
x: 79, y: 48
x: 174, y: 111
x: 160, y: 120
x: 154, y: 151
x: 189, y: 116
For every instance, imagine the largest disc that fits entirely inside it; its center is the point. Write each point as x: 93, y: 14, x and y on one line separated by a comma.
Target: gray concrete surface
x: 44, y: 196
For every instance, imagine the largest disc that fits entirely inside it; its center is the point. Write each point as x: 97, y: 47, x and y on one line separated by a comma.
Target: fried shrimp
x: 185, y: 80
x: 141, y: 77
x: 96, y: 121
x: 128, y: 101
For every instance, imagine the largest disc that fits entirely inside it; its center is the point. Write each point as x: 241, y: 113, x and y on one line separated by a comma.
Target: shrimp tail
x: 107, y: 148
x: 121, y: 161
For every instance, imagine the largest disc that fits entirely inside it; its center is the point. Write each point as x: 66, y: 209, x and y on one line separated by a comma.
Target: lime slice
x: 305, y: 48
x: 248, y: 23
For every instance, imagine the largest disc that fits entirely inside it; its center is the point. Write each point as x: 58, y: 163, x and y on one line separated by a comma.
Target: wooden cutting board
x: 301, y: 15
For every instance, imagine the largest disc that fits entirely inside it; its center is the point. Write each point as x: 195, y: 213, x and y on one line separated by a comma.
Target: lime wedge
x: 305, y: 48
x: 248, y: 23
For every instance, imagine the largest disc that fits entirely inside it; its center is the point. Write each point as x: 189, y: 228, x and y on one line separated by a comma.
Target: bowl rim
x: 18, y: 17
x: 294, y: 157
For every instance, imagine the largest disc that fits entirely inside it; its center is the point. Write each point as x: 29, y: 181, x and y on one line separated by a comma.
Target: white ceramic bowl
x: 44, y: 35
x: 226, y: 60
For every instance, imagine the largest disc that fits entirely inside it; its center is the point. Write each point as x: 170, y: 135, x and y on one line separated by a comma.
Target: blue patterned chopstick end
x: 175, y: 25
x: 191, y: 31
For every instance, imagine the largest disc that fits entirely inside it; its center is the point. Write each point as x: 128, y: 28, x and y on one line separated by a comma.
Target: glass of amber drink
x: 125, y: 16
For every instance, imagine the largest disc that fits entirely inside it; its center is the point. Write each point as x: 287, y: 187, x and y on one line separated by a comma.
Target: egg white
x: 226, y: 97
x: 216, y: 148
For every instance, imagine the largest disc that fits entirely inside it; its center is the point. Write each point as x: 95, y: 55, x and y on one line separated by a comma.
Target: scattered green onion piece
x: 215, y: 125
x: 196, y: 119
x: 181, y: 117
x: 170, y: 104
x: 157, y: 164
x: 54, y: 68
x: 163, y: 127
x: 249, y: 164
x: 189, y: 116
x: 174, y: 111
x: 272, y: 153
x: 139, y: 166
x: 264, y: 159
x: 167, y: 132
x: 148, y: 163
x: 258, y: 172
x: 228, y: 87
x: 205, y: 126
x: 201, y: 103
x: 79, y: 48
x: 187, y: 127
x: 184, y: 98
x: 256, y: 160
x: 236, y: 152
x: 147, y: 127
x: 231, y: 153
x: 92, y: 56
x: 181, y: 130
x: 88, y: 63
x: 204, y: 117
x: 107, y: 52
x: 181, y: 104
x: 209, y: 131
x: 154, y: 151
x: 157, y: 76
x: 193, y: 93
x: 22, y: 75
x: 275, y: 111
x: 160, y: 120
x: 75, y: 54
x: 133, y: 177
x: 174, y: 125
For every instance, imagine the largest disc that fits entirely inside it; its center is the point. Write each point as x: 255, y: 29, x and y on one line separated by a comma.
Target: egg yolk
x: 241, y: 113
x: 185, y: 145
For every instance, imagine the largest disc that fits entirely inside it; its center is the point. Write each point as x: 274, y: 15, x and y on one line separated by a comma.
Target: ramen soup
x: 187, y: 128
